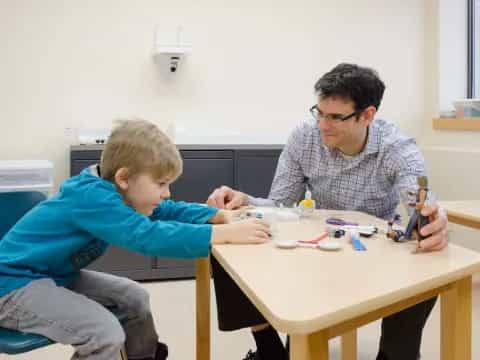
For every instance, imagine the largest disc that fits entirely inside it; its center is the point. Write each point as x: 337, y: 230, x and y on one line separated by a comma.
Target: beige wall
x: 81, y: 63
x: 77, y: 64
x: 453, y: 158
x: 446, y: 69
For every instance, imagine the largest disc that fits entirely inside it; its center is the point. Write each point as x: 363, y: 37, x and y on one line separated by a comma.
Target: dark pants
x: 401, y: 332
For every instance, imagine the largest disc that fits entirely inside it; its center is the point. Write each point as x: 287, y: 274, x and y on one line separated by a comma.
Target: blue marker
x: 356, y: 242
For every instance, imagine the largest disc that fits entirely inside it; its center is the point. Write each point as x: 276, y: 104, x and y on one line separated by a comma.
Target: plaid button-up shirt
x: 373, y: 181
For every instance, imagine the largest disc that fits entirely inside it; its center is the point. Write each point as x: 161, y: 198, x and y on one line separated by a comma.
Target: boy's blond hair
x: 140, y: 146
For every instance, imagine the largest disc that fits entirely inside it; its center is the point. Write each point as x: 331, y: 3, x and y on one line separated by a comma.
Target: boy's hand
x: 251, y: 231
x: 225, y: 197
x: 224, y: 217
x: 437, y: 229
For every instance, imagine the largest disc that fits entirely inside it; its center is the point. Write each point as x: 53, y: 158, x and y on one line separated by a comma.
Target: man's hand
x: 437, y: 229
x: 227, y: 198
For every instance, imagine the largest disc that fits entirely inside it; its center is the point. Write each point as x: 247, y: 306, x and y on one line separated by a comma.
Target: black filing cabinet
x: 254, y: 170
x: 203, y: 171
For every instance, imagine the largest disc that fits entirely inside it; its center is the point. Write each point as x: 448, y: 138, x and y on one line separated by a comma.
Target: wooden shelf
x: 460, y: 124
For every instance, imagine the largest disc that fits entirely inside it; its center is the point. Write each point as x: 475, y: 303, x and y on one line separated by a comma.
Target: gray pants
x: 77, y: 315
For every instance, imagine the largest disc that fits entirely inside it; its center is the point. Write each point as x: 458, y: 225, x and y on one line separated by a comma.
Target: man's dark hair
x: 352, y: 82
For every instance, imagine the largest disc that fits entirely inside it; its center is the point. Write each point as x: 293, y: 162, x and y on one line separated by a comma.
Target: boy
x: 43, y: 286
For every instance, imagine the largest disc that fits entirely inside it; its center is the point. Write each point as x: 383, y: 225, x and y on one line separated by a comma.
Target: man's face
x: 336, y: 133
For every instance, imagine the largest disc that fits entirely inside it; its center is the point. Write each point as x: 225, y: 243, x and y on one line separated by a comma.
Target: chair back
x: 13, y: 205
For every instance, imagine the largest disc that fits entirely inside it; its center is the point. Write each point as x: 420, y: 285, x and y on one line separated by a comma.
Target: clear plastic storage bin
x: 26, y: 175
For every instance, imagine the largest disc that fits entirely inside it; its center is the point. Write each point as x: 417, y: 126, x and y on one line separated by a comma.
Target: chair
x: 17, y: 204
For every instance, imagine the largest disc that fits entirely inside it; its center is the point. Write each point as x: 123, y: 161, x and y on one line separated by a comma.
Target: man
x: 348, y: 161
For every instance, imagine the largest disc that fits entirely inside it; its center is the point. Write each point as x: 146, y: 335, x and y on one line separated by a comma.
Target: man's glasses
x: 335, y: 118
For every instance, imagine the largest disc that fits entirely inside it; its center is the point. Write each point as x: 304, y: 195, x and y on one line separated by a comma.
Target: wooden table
x: 315, y: 295
x: 465, y: 213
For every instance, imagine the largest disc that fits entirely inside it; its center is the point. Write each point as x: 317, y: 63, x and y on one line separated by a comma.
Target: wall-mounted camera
x: 174, y: 63
x: 170, y: 54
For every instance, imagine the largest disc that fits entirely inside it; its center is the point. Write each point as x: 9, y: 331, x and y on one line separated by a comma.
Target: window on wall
x: 473, y: 48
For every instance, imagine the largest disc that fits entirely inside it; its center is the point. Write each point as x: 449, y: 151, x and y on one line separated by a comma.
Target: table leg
x: 349, y: 345
x: 456, y: 321
x: 202, y: 288
x: 309, y: 347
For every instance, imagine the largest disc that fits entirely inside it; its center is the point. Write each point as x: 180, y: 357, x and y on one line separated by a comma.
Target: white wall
x: 82, y: 63
x: 446, y: 63
x: 452, y: 157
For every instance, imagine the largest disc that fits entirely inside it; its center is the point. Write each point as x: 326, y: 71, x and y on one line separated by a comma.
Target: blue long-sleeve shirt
x: 67, y: 232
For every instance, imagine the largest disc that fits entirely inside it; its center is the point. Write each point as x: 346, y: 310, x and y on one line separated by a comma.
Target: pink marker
x: 315, y: 240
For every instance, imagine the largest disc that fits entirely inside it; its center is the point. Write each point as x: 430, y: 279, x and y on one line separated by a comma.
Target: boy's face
x: 144, y: 193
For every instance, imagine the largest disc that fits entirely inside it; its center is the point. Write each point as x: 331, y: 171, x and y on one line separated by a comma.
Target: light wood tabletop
x: 465, y: 213
x: 315, y: 295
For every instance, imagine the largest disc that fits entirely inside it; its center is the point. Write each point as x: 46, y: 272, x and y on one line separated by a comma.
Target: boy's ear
x: 121, y: 178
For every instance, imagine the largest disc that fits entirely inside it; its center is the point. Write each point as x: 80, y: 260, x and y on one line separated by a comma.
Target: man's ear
x: 121, y: 178
x: 369, y: 114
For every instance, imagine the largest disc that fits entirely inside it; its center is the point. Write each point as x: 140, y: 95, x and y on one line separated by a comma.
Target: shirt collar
x: 373, y: 140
